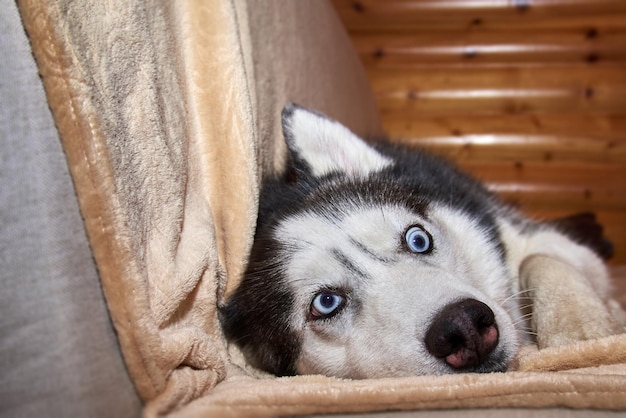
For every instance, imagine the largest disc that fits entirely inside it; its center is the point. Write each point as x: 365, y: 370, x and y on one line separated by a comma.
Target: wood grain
x: 490, y: 47
x: 501, y: 90
x: 402, y: 15
x: 528, y: 96
x: 597, y: 138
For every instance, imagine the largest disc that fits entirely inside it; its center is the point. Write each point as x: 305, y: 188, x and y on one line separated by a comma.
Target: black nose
x: 463, y: 334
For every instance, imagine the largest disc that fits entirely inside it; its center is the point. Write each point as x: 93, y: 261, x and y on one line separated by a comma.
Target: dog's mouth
x: 498, y: 361
x: 465, y: 336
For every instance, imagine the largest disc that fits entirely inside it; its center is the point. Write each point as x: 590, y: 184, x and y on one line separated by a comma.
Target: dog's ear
x: 327, y: 146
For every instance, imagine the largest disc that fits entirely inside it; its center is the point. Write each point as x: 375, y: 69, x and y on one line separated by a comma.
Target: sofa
x: 134, y: 139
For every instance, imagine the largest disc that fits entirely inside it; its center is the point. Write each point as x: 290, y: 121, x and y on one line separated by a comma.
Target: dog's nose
x: 463, y: 334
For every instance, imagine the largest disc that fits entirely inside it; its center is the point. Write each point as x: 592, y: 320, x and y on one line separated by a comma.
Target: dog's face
x: 368, y: 288
x: 368, y: 277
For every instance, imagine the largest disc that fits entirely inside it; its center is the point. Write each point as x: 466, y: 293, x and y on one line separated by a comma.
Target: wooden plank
x: 423, y: 48
x: 451, y: 79
x: 412, y: 125
x: 502, y: 90
x: 534, y: 137
x: 513, y: 148
x: 376, y: 15
x: 545, y: 185
x: 591, y: 23
x: 424, y: 9
x: 567, y: 176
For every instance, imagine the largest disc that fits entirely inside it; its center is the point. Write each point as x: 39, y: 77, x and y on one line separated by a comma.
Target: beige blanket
x: 168, y: 113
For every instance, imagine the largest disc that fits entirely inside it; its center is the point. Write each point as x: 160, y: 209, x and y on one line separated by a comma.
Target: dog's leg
x: 566, y: 307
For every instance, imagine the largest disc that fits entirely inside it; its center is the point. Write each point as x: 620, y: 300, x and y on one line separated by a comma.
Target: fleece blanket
x: 168, y: 113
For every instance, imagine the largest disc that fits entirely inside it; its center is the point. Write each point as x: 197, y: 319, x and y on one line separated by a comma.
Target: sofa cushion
x: 58, y: 351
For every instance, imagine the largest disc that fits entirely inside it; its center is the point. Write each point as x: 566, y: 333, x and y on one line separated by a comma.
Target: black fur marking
x: 370, y: 253
x: 349, y: 265
x: 257, y: 316
x: 584, y: 229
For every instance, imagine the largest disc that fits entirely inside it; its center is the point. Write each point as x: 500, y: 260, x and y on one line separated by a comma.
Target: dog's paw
x: 566, y: 308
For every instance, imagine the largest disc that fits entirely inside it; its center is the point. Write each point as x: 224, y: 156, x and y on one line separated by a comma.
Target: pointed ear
x: 328, y: 146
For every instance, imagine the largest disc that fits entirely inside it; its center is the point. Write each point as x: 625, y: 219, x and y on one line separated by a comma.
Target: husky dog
x: 379, y: 260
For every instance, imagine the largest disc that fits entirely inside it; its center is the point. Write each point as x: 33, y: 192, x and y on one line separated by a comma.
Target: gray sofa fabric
x: 58, y: 351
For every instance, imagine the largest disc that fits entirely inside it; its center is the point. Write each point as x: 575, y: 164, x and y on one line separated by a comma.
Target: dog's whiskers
x: 522, y: 294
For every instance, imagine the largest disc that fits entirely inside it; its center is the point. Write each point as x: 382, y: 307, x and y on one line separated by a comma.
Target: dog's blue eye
x: 326, y: 304
x: 418, y: 240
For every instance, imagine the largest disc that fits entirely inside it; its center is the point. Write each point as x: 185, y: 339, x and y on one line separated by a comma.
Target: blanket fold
x: 113, y: 72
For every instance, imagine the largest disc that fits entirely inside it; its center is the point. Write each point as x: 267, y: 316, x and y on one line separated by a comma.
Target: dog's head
x: 372, y: 261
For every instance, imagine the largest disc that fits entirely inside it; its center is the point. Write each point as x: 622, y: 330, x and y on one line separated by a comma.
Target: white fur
x: 381, y: 330
x: 329, y: 146
x: 522, y: 244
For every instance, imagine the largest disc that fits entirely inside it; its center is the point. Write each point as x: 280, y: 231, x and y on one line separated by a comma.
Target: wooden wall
x: 528, y: 95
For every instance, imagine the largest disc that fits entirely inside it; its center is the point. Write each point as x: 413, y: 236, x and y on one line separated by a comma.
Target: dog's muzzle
x: 463, y: 334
